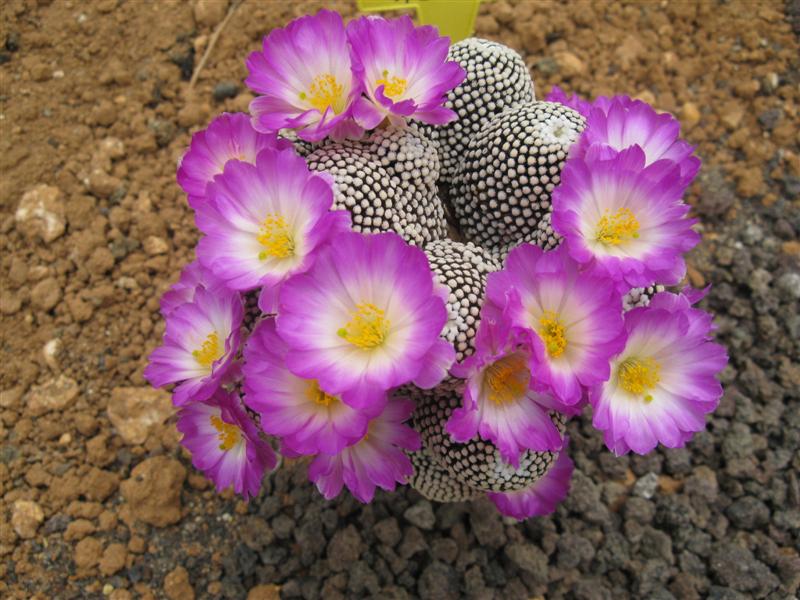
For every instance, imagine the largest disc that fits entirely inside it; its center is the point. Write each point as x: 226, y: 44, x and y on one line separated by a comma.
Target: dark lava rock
x: 225, y: 89
x: 438, y: 582
x: 344, y: 548
x: 529, y: 559
x: 748, y: 513
x: 388, y: 531
x: 737, y: 568
x: 421, y: 515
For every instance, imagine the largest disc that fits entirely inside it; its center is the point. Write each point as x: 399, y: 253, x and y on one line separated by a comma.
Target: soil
x: 98, y: 500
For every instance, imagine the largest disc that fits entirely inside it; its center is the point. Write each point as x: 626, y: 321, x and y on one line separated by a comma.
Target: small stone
x: 177, y: 586
x: 101, y: 184
x: 192, y: 114
x: 78, y: 529
x: 344, y: 548
x: 528, y: 558
x: 56, y: 394
x: 388, y: 531
x: 731, y: 114
x: 154, y: 245
x: 439, y: 581
x: 210, y: 12
x: 112, y: 147
x: 225, y: 89
x: 421, y: 515
x: 88, y: 552
x: 153, y: 491
x: 136, y: 412
x: 736, y: 567
x: 46, y: 294
x: 570, y: 65
x: 100, y: 262
x: 10, y: 398
x: 26, y: 518
x: 99, y: 484
x: 646, y: 486
x: 10, y: 302
x: 690, y: 115
x: 51, y: 352
x: 113, y: 559
x: 265, y: 591
x: 41, y: 213
x: 748, y: 513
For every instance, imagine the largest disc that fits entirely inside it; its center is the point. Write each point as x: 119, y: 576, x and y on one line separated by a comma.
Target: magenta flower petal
x: 265, y: 222
x: 200, y: 344
x: 365, y: 318
x: 225, y: 444
x: 306, y: 79
x: 663, y: 382
x: 572, y: 319
x: 182, y: 291
x: 404, y: 69
x: 308, y: 420
x: 542, y: 497
x: 377, y: 460
x: 625, y: 219
x: 228, y: 137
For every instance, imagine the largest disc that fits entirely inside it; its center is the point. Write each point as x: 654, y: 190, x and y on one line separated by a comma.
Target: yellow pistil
x: 507, y: 379
x: 368, y: 328
x: 276, y: 238
x: 325, y: 92
x: 620, y: 227
x: 228, y: 434
x: 639, y: 376
x: 209, y: 351
x: 552, y: 333
x: 392, y: 86
x: 315, y: 394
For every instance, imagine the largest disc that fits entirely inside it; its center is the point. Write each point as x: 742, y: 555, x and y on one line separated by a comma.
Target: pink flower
x: 306, y: 80
x: 542, y: 497
x: 623, y: 219
x: 498, y: 401
x: 663, y: 383
x: 264, y: 222
x: 573, y: 318
x: 225, y: 443
x: 307, y: 419
x: 365, y: 318
x: 378, y: 459
x: 622, y: 123
x: 200, y: 343
x: 228, y: 137
x: 404, y: 71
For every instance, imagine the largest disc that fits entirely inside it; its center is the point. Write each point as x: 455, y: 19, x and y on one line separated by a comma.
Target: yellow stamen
x: 620, y: 227
x: 325, y: 92
x: 507, y: 379
x: 552, y: 333
x: 315, y: 394
x: 209, y: 351
x: 639, y: 376
x: 392, y: 86
x: 368, y: 328
x: 276, y: 238
x: 228, y: 434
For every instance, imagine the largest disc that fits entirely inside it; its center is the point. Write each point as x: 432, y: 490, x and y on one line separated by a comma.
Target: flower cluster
x: 324, y: 79
x: 346, y: 316
x: 298, y: 329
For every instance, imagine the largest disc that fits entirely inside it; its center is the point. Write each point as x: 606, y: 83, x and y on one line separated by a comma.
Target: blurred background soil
x: 98, y: 500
